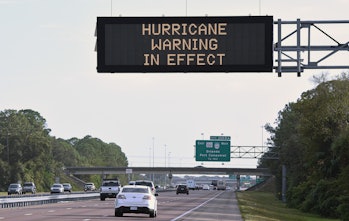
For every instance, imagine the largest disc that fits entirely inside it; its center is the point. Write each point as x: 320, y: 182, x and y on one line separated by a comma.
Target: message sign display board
x: 184, y: 44
x: 212, y: 150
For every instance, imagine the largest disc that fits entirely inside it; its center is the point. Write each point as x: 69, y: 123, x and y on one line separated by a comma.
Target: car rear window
x: 144, y: 183
x: 134, y: 190
x: 110, y: 184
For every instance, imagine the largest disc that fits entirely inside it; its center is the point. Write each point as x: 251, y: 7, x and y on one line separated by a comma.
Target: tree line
x: 311, y: 137
x: 29, y: 153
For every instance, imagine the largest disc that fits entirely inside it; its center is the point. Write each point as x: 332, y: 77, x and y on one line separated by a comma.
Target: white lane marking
x: 189, y: 211
x: 2, y: 217
x: 51, y: 211
x: 28, y: 214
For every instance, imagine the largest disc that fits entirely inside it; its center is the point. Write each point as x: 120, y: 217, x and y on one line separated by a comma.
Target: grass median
x: 263, y: 206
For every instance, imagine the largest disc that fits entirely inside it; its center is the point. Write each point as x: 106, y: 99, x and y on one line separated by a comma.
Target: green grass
x: 263, y: 206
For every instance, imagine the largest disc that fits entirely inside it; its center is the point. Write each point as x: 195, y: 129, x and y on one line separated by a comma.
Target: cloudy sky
x: 48, y: 64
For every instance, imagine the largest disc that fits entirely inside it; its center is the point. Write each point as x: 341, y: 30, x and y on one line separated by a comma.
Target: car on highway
x: 109, y: 188
x: 206, y: 187
x: 147, y: 183
x: 132, y: 182
x: 29, y: 187
x: 14, y: 188
x: 57, y: 188
x: 182, y: 188
x: 67, y: 187
x: 136, y: 199
x: 89, y: 187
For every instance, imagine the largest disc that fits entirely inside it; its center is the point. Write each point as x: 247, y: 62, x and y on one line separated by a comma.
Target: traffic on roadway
x: 198, y: 205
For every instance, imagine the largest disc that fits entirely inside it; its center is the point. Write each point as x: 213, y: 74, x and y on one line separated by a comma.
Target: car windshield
x: 57, y: 185
x: 134, y: 190
x: 14, y: 185
x: 27, y: 184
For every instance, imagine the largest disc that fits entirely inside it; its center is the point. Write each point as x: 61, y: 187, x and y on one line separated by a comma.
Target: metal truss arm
x: 253, y: 152
x: 291, y: 54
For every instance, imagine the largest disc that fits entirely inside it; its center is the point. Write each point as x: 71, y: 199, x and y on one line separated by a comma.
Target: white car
x: 136, y: 199
x: 57, y: 188
x: 206, y: 187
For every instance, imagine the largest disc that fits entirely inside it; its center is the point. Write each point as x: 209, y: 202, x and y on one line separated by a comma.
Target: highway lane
x: 198, y: 205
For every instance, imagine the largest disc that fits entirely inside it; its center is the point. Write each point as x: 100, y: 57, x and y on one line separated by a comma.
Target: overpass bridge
x: 167, y: 170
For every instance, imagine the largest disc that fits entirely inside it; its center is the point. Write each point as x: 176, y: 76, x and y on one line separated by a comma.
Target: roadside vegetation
x: 311, y: 138
x: 29, y: 153
x: 264, y: 206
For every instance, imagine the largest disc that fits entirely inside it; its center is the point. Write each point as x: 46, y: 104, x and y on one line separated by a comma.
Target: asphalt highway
x: 199, y: 205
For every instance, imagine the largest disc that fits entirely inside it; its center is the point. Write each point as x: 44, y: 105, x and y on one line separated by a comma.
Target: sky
x: 48, y: 64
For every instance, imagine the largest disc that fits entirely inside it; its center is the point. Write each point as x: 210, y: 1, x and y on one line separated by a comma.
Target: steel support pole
x: 283, y: 191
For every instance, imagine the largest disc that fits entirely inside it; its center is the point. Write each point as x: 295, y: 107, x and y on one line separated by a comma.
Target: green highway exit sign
x: 212, y: 150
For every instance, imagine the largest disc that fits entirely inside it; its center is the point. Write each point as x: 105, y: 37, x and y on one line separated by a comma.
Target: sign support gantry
x: 291, y: 54
x: 254, y: 152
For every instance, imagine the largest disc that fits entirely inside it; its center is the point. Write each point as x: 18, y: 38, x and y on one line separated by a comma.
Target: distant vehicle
x: 89, y: 187
x: 67, y: 187
x: 132, y: 182
x: 109, y: 189
x: 29, y: 187
x: 221, y: 185
x: 136, y: 199
x: 147, y: 183
x: 214, y: 184
x: 57, y: 188
x: 191, y: 184
x: 14, y: 188
x: 206, y: 187
x: 182, y: 188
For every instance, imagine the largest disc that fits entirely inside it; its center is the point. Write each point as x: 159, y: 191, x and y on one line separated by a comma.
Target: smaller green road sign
x: 212, y: 150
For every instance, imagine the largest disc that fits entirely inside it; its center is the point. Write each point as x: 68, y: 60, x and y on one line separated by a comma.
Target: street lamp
x: 165, y: 155
x: 8, y: 149
x: 169, y: 159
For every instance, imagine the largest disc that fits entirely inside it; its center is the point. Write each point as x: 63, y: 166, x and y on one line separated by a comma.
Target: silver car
x: 57, y: 188
x: 67, y: 187
x: 29, y: 187
x: 147, y: 183
x: 14, y: 188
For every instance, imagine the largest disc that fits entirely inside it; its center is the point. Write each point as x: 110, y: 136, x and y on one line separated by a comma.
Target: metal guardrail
x: 8, y: 202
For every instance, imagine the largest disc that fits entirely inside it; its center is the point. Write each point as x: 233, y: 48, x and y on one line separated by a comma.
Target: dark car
x: 182, y: 188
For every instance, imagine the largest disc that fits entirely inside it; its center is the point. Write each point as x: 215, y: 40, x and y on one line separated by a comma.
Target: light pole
x: 8, y: 149
x: 262, y: 135
x: 153, y: 157
x: 165, y: 155
x: 169, y: 159
x: 165, y: 166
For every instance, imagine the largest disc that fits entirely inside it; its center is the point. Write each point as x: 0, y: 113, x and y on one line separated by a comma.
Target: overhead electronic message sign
x: 184, y: 44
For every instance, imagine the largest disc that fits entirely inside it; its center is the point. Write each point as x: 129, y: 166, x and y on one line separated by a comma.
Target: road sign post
x: 212, y: 150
